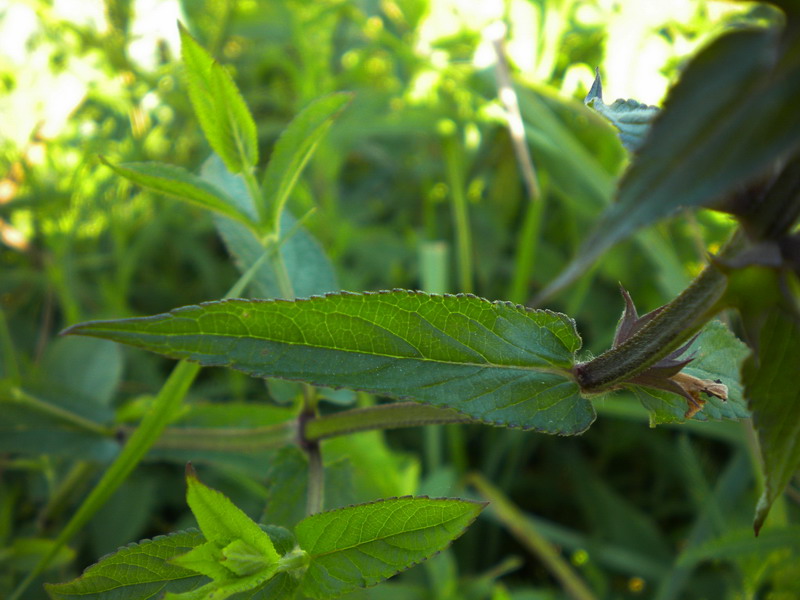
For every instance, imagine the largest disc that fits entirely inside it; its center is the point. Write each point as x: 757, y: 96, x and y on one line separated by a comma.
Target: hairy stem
x: 383, y: 416
x: 676, y: 323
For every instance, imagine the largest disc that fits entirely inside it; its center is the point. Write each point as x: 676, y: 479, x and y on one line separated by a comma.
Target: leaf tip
x: 191, y: 474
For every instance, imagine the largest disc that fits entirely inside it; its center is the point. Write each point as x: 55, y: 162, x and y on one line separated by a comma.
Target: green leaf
x: 90, y: 371
x: 223, y: 114
x: 632, y: 118
x: 741, y: 543
x: 295, y: 147
x: 729, y: 117
x: 32, y: 425
x: 496, y: 362
x: 222, y: 522
x: 770, y: 380
x: 718, y: 355
x: 310, y: 271
x: 180, y: 183
x: 360, y: 546
x: 138, y: 571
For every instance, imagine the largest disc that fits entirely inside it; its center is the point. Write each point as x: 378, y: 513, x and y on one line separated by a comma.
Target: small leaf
x: 717, y: 356
x: 295, y: 147
x: 360, y: 546
x: 496, y: 362
x: 137, y: 572
x: 222, y: 522
x: 773, y: 394
x: 206, y: 559
x: 180, y: 183
x: 632, y: 118
x: 218, y: 105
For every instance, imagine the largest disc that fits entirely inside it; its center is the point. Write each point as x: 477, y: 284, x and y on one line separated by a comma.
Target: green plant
x: 466, y: 359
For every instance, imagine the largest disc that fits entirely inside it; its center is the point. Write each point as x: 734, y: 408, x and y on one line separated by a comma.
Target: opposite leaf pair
x: 330, y: 553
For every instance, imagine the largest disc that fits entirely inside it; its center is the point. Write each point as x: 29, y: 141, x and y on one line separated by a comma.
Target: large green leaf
x: 218, y: 105
x: 295, y: 147
x: 773, y: 393
x: 496, y: 362
x: 730, y: 116
x: 310, y: 271
x: 138, y: 571
x: 718, y: 355
x: 180, y: 183
x: 360, y: 546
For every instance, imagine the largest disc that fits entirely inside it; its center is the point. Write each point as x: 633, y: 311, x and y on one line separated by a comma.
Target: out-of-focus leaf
x: 218, y: 105
x: 773, y: 394
x: 310, y: 271
x: 287, y: 485
x: 92, y: 371
x: 295, y: 147
x: 180, y: 183
x: 32, y: 425
x: 632, y: 118
x: 713, y: 134
x: 496, y: 362
x: 718, y: 355
x: 741, y: 543
x: 360, y: 546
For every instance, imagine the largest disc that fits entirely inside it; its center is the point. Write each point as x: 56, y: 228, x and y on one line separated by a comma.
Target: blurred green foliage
x: 638, y: 512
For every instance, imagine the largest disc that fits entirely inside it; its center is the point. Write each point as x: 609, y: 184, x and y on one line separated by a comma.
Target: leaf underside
x: 496, y: 362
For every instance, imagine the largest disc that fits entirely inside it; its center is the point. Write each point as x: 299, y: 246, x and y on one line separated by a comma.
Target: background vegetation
x: 417, y: 185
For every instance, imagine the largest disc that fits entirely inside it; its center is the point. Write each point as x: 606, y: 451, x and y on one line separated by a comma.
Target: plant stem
x: 383, y: 416
x: 316, y: 480
x: 521, y: 528
x: 15, y: 394
x: 455, y: 179
x: 677, y: 322
x: 255, y: 194
x: 228, y: 439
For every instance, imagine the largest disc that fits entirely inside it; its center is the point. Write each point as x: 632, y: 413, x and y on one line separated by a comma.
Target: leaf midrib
x: 379, y: 539
x: 563, y: 371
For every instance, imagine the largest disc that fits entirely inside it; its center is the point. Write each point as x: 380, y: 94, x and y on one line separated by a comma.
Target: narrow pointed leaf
x: 496, y: 362
x: 218, y: 105
x: 138, y: 571
x: 222, y: 522
x: 630, y: 117
x: 180, y: 183
x: 770, y: 380
x: 360, y: 546
x: 295, y: 147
